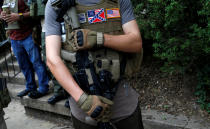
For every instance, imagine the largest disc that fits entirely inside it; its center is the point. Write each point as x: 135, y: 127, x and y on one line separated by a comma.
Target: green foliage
x: 180, y: 35
x: 203, y: 88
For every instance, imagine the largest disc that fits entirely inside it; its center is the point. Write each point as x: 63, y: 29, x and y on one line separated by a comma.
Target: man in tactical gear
x: 24, y: 48
x: 108, y: 48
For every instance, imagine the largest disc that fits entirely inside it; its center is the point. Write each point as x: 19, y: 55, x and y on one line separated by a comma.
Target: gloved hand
x: 82, y: 39
x: 96, y: 107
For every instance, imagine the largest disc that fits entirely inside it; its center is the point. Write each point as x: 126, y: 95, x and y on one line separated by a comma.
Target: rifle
x: 90, y: 82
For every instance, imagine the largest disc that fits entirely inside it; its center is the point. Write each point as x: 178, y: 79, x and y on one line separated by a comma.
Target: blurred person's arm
x: 15, y: 16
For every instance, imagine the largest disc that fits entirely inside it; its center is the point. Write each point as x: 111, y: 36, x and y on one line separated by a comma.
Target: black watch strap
x: 21, y: 16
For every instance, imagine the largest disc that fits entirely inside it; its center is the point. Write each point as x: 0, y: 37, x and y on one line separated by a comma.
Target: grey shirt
x: 53, y: 28
x: 126, y: 99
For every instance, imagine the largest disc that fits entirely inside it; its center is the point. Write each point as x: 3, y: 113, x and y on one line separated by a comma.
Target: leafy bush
x: 203, y: 87
x: 180, y: 35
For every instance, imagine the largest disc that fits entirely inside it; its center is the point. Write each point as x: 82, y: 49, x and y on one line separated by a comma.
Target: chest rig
x: 104, y: 58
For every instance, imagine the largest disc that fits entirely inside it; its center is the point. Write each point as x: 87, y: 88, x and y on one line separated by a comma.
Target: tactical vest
x: 37, y: 8
x: 13, y: 5
x: 13, y: 8
x: 108, y: 59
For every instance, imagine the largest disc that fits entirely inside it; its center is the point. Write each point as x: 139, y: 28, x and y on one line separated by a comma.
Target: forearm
x: 123, y: 42
x: 59, y: 70
x: 26, y: 14
x: 130, y: 41
x: 63, y: 76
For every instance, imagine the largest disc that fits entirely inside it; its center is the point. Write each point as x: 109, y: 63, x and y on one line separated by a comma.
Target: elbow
x: 50, y: 63
x: 53, y: 62
x: 138, y: 46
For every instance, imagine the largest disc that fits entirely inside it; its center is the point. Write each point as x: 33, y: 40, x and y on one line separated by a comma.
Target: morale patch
x: 97, y: 15
x: 113, y: 13
x: 82, y: 18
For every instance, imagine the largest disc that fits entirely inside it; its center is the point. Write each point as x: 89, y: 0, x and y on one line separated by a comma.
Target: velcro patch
x: 96, y: 15
x: 113, y: 13
x: 82, y: 18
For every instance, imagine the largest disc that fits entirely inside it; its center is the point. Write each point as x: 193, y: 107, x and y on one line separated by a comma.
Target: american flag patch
x: 113, y: 13
x: 96, y: 15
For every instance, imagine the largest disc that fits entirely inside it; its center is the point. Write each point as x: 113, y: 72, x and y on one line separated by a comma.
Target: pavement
x: 17, y: 119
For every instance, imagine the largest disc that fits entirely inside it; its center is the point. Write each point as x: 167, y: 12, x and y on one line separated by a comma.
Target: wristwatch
x: 21, y: 16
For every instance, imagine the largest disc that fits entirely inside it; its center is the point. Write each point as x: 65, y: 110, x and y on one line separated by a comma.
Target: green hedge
x: 179, y: 31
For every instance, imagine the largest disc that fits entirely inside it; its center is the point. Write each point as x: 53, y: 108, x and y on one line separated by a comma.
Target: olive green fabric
x: 111, y: 26
x: 58, y: 89
x: 14, y: 9
x: 40, y: 8
x: 111, y: 60
x: 36, y: 34
x: 4, y: 94
x: 43, y: 46
x: 37, y: 8
x: 133, y: 63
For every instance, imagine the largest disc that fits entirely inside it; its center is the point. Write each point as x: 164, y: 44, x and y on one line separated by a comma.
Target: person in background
x: 25, y: 49
x: 59, y: 93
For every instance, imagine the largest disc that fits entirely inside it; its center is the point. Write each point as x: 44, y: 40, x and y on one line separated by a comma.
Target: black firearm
x: 92, y: 83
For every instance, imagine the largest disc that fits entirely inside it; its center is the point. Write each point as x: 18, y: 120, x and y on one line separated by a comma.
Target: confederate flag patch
x: 96, y: 15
